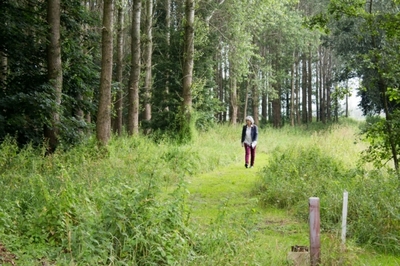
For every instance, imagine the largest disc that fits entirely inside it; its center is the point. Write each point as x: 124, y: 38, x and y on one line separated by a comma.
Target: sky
x: 354, y: 111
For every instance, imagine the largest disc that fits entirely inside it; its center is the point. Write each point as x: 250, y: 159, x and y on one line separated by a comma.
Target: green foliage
x: 297, y: 173
x: 26, y: 98
x: 375, y: 133
x: 86, y: 206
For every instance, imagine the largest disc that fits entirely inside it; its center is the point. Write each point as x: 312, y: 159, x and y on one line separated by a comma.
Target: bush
x: 123, y: 205
x: 298, y: 173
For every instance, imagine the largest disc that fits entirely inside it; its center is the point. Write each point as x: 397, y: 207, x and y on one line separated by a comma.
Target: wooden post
x: 315, y: 245
x: 344, y: 216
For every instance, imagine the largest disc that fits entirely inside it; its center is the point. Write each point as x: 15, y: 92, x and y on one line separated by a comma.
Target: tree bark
x: 3, y: 69
x: 133, y: 94
x: 54, y: 68
x: 276, y: 103
x: 148, y: 51
x: 118, y: 102
x: 188, y: 54
x: 297, y: 91
x: 292, y: 86
x: 309, y: 88
x: 246, y: 100
x: 304, y: 89
x: 317, y: 89
x: 233, y: 100
x: 168, y: 40
x: 103, y: 123
x: 328, y: 83
x: 255, y: 104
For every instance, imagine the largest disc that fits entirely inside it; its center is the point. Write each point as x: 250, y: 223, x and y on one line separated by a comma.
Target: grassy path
x: 221, y: 201
x: 243, y: 233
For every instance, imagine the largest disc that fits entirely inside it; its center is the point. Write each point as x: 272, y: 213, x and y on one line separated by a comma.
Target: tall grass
x: 324, y: 164
x: 105, y: 207
x: 128, y: 205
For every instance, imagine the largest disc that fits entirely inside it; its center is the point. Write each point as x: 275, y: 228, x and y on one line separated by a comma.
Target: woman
x: 249, y: 141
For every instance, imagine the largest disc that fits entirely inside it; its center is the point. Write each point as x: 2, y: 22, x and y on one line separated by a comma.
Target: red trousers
x: 249, y: 152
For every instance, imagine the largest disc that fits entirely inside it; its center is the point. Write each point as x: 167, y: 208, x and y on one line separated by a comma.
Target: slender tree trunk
x: 3, y: 69
x: 255, y: 104
x: 188, y: 71
x: 226, y: 93
x: 276, y: 110
x: 168, y: 40
x: 233, y: 96
x: 133, y: 93
x: 118, y: 102
x: 328, y: 83
x: 220, y: 84
x: 264, y: 107
x: 304, y: 89
x: 54, y: 68
x: 297, y: 90
x: 317, y: 88
x: 264, y: 97
x: 246, y: 101
x: 309, y: 83
x: 389, y: 123
x: 148, y: 51
x: 103, y: 123
x: 276, y: 103
x: 347, y: 99
x: 323, y: 86
x: 292, y: 86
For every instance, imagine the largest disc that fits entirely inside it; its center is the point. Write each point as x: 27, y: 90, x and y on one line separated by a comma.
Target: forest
x: 70, y: 69
x: 83, y: 82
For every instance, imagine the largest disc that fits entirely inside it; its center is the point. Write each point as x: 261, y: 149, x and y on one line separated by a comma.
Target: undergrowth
x: 104, y: 207
x: 128, y: 204
x: 297, y: 172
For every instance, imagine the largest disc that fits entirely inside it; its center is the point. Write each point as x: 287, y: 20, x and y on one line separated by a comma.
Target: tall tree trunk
x: 255, y: 104
x: 103, y: 123
x: 133, y: 93
x: 292, y: 86
x: 148, y: 51
x: 246, y: 100
x: 233, y: 95
x: 118, y: 102
x: 347, y: 99
x: 220, y: 84
x: 3, y: 69
x: 328, y: 83
x: 276, y: 110
x: 297, y: 91
x: 323, y: 86
x: 264, y: 107
x: 54, y: 68
x: 317, y: 87
x: 168, y: 39
x: 309, y: 86
x: 303, y: 89
x: 276, y: 103
x: 188, y: 55
x: 389, y: 122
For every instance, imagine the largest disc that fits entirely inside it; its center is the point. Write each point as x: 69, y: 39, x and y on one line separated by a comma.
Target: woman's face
x: 248, y: 122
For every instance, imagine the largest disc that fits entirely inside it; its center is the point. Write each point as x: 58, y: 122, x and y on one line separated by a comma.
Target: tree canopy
x: 280, y: 61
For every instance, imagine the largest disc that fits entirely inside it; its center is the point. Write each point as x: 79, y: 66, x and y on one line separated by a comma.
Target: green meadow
x: 145, y: 201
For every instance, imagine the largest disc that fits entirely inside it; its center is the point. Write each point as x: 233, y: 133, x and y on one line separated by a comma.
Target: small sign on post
x: 315, y: 245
